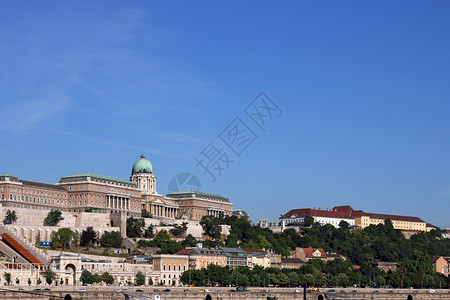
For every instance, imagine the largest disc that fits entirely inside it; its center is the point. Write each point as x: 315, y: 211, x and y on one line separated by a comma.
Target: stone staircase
x: 36, y: 252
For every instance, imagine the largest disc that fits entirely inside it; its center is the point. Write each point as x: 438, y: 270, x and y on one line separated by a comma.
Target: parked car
x: 431, y: 291
x: 46, y: 289
x: 156, y: 291
x: 187, y: 291
x: 166, y: 291
x: 139, y: 291
x: 201, y: 291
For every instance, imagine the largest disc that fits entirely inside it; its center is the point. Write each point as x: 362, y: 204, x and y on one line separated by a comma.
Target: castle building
x: 357, y: 218
x: 120, y: 197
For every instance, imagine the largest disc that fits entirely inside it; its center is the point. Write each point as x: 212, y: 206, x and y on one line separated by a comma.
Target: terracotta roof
x: 184, y: 252
x: 346, y: 212
x: 309, y: 252
x: 394, y: 217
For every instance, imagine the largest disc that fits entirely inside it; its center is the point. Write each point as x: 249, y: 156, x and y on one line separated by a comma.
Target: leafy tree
x: 53, y: 218
x: 49, y: 276
x: 146, y: 214
x: 39, y: 281
x: 310, y: 279
x: 211, y: 226
x: 178, y: 230
x: 135, y: 227
x: 150, y: 281
x: 148, y: 233
x: 86, y: 277
x: 96, y: 278
x: 344, y: 225
x: 309, y: 220
x: 189, y: 241
x: 111, y: 239
x: 17, y: 281
x: 140, y: 278
x: 10, y: 217
x: 107, y: 278
x: 63, y: 237
x: 29, y: 281
x: 88, y: 237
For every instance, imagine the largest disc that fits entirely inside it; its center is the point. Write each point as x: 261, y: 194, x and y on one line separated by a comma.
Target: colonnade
x: 215, y: 212
x: 118, y: 202
x: 163, y: 211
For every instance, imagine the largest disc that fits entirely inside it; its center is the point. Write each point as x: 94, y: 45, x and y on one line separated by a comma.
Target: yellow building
x: 258, y: 258
x: 398, y: 222
x: 170, y: 267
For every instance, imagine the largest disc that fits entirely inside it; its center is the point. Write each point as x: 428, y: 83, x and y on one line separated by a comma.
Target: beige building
x: 118, y: 197
x: 291, y: 263
x: 201, y: 258
x: 170, y: 267
x: 306, y: 254
x: 258, y: 258
x: 441, y: 265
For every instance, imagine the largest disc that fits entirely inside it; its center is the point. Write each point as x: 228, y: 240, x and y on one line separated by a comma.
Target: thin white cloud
x: 23, y: 116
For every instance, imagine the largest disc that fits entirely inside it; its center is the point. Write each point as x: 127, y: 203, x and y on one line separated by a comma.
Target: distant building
x: 358, y: 218
x: 236, y: 257
x: 291, y: 263
x: 306, y: 254
x: 200, y: 257
x: 258, y: 258
x: 386, y: 266
x: 333, y: 256
x: 296, y: 217
x: 446, y: 233
x: 441, y: 265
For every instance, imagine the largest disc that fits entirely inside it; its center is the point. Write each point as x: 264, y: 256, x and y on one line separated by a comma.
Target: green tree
x: 179, y: 230
x: 63, y: 237
x: 10, y: 217
x: 39, y: 281
x: 88, y: 237
x: 111, y: 239
x: 53, y: 218
x: 309, y: 220
x: 211, y: 226
x: 189, y: 241
x: 49, y: 276
x: 86, y: 277
x: 310, y: 279
x: 135, y: 227
x: 17, y: 281
x: 146, y: 214
x: 96, y: 278
x: 150, y: 281
x: 148, y: 233
x: 107, y: 278
x: 29, y: 281
x: 140, y: 278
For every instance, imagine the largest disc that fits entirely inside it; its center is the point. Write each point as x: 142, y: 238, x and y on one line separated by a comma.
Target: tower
x: 143, y: 175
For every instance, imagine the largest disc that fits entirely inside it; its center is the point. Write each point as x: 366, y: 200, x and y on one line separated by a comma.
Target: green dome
x: 143, y: 165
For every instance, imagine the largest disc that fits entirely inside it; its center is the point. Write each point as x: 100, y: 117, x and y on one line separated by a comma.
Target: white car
x: 81, y: 290
x: 431, y: 291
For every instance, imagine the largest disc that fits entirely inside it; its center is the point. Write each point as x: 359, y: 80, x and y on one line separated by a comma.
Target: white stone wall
x: 193, y: 227
x: 35, y: 217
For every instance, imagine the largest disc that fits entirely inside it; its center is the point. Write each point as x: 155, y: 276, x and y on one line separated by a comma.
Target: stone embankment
x: 225, y: 294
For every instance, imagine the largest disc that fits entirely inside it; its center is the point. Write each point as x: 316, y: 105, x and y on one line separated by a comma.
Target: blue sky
x: 86, y: 86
